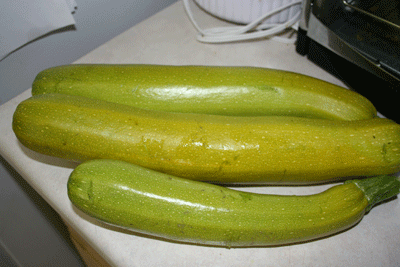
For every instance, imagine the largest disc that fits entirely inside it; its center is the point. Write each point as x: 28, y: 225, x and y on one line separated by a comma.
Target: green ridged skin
x: 221, y: 149
x: 177, y: 209
x: 234, y: 91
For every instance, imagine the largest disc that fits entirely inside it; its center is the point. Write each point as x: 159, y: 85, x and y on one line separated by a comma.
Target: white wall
x: 31, y: 233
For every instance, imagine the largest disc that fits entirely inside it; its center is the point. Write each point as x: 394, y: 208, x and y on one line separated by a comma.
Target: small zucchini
x: 235, y: 91
x: 177, y: 209
x: 221, y: 149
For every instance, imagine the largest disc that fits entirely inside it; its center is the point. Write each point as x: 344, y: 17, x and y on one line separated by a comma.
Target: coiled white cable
x: 250, y: 31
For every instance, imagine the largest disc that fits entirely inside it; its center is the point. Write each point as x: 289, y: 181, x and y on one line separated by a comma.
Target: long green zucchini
x: 177, y: 209
x: 236, y: 91
x: 223, y: 149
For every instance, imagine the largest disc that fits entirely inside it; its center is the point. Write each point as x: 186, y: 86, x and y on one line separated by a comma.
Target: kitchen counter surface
x: 169, y: 38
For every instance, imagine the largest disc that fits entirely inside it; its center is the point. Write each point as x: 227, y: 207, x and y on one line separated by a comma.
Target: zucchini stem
x: 378, y: 188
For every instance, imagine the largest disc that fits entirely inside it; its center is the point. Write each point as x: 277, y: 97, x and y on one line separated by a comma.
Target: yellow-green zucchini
x: 177, y: 209
x: 224, y: 149
x: 236, y: 91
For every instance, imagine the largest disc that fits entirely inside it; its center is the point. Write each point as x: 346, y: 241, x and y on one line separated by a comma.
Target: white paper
x: 72, y: 5
x: 23, y: 21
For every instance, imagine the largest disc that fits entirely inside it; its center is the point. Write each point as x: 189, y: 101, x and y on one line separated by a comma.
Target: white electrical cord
x: 250, y: 31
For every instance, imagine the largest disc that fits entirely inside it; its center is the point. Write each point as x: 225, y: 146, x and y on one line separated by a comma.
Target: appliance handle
x: 349, y: 5
x: 318, y: 32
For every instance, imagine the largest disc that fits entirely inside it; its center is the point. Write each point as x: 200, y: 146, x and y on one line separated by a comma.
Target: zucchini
x: 234, y: 91
x: 172, y: 208
x: 220, y: 149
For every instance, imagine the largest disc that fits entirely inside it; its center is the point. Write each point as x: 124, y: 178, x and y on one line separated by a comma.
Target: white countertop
x: 169, y: 38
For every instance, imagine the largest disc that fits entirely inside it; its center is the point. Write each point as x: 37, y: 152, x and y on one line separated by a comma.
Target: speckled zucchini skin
x: 223, y: 149
x: 234, y: 91
x: 177, y: 209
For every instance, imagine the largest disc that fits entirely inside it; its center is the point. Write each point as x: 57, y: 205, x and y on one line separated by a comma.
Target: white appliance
x: 256, y: 18
x: 247, y: 11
